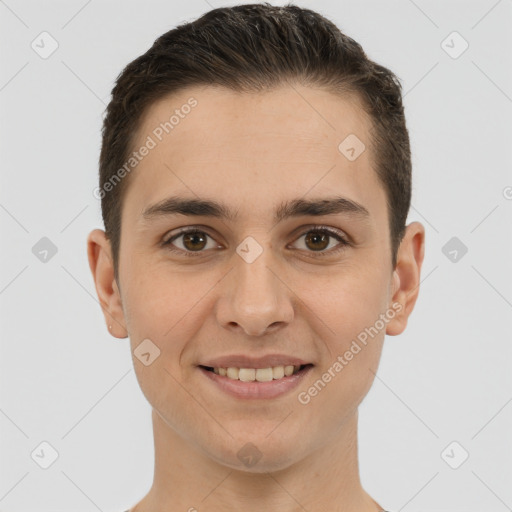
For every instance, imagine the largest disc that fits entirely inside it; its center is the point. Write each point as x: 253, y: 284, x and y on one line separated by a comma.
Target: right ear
x: 406, y: 276
x: 99, y: 253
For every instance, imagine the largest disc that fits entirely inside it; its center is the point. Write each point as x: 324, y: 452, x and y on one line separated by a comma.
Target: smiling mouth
x: 257, y: 374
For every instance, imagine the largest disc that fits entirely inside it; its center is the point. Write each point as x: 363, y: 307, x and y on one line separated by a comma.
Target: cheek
x: 347, y: 301
x: 160, y: 308
x: 352, y: 308
x: 158, y: 302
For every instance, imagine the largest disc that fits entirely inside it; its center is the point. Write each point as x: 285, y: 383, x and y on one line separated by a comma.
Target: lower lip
x: 251, y: 390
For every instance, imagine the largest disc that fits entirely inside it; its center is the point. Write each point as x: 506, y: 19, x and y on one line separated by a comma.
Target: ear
x: 406, y: 277
x: 102, y: 268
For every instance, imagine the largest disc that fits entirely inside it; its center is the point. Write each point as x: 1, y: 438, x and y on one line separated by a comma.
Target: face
x: 286, y: 262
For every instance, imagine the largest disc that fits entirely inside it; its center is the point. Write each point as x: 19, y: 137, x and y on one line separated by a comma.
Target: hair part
x: 250, y: 48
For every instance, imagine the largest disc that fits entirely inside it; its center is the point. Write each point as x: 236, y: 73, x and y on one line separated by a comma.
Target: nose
x: 254, y: 298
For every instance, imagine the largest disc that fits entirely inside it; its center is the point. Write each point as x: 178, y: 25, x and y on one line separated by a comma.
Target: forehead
x: 220, y: 116
x: 254, y: 148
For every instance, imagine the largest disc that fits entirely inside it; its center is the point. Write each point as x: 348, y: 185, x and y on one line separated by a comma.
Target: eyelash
x: 344, y: 243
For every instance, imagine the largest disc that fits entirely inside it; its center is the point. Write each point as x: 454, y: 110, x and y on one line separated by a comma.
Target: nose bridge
x: 254, y: 298
x: 255, y: 283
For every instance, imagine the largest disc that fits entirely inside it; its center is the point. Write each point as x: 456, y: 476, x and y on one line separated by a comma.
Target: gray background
x: 65, y: 381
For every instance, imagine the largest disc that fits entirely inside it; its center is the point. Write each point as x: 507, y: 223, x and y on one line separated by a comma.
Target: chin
x: 256, y: 454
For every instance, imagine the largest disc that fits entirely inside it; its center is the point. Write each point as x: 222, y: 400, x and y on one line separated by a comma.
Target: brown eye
x: 190, y: 242
x: 317, y: 241
x: 194, y: 241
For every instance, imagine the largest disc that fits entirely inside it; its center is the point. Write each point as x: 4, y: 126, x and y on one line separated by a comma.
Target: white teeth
x: 278, y: 372
x: 232, y: 373
x: 247, y: 374
x: 264, y: 374
x: 257, y: 374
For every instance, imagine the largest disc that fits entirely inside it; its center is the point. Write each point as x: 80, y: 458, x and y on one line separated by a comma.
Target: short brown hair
x: 250, y: 48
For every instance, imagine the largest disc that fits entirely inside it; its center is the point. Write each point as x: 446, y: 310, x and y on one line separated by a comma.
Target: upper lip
x: 243, y: 361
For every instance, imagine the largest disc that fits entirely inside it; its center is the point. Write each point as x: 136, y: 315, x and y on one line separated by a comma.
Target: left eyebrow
x: 176, y: 205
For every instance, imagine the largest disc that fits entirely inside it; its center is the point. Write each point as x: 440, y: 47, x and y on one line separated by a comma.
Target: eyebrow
x: 176, y: 205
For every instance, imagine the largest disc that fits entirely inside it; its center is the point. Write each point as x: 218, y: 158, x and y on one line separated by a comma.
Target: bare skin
x: 252, y: 153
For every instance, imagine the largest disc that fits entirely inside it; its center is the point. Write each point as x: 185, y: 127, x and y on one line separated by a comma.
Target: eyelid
x: 323, y: 227
x: 184, y: 230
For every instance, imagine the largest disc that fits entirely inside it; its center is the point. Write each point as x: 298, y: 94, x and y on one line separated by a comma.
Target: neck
x: 187, y: 479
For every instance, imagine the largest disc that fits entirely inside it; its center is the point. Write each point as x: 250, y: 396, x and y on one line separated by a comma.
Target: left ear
x: 406, y: 277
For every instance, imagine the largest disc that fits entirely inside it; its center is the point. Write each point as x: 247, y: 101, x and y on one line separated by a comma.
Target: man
x: 255, y: 178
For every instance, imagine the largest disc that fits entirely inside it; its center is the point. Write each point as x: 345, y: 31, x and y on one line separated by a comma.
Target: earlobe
x: 102, y: 269
x: 406, y: 277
